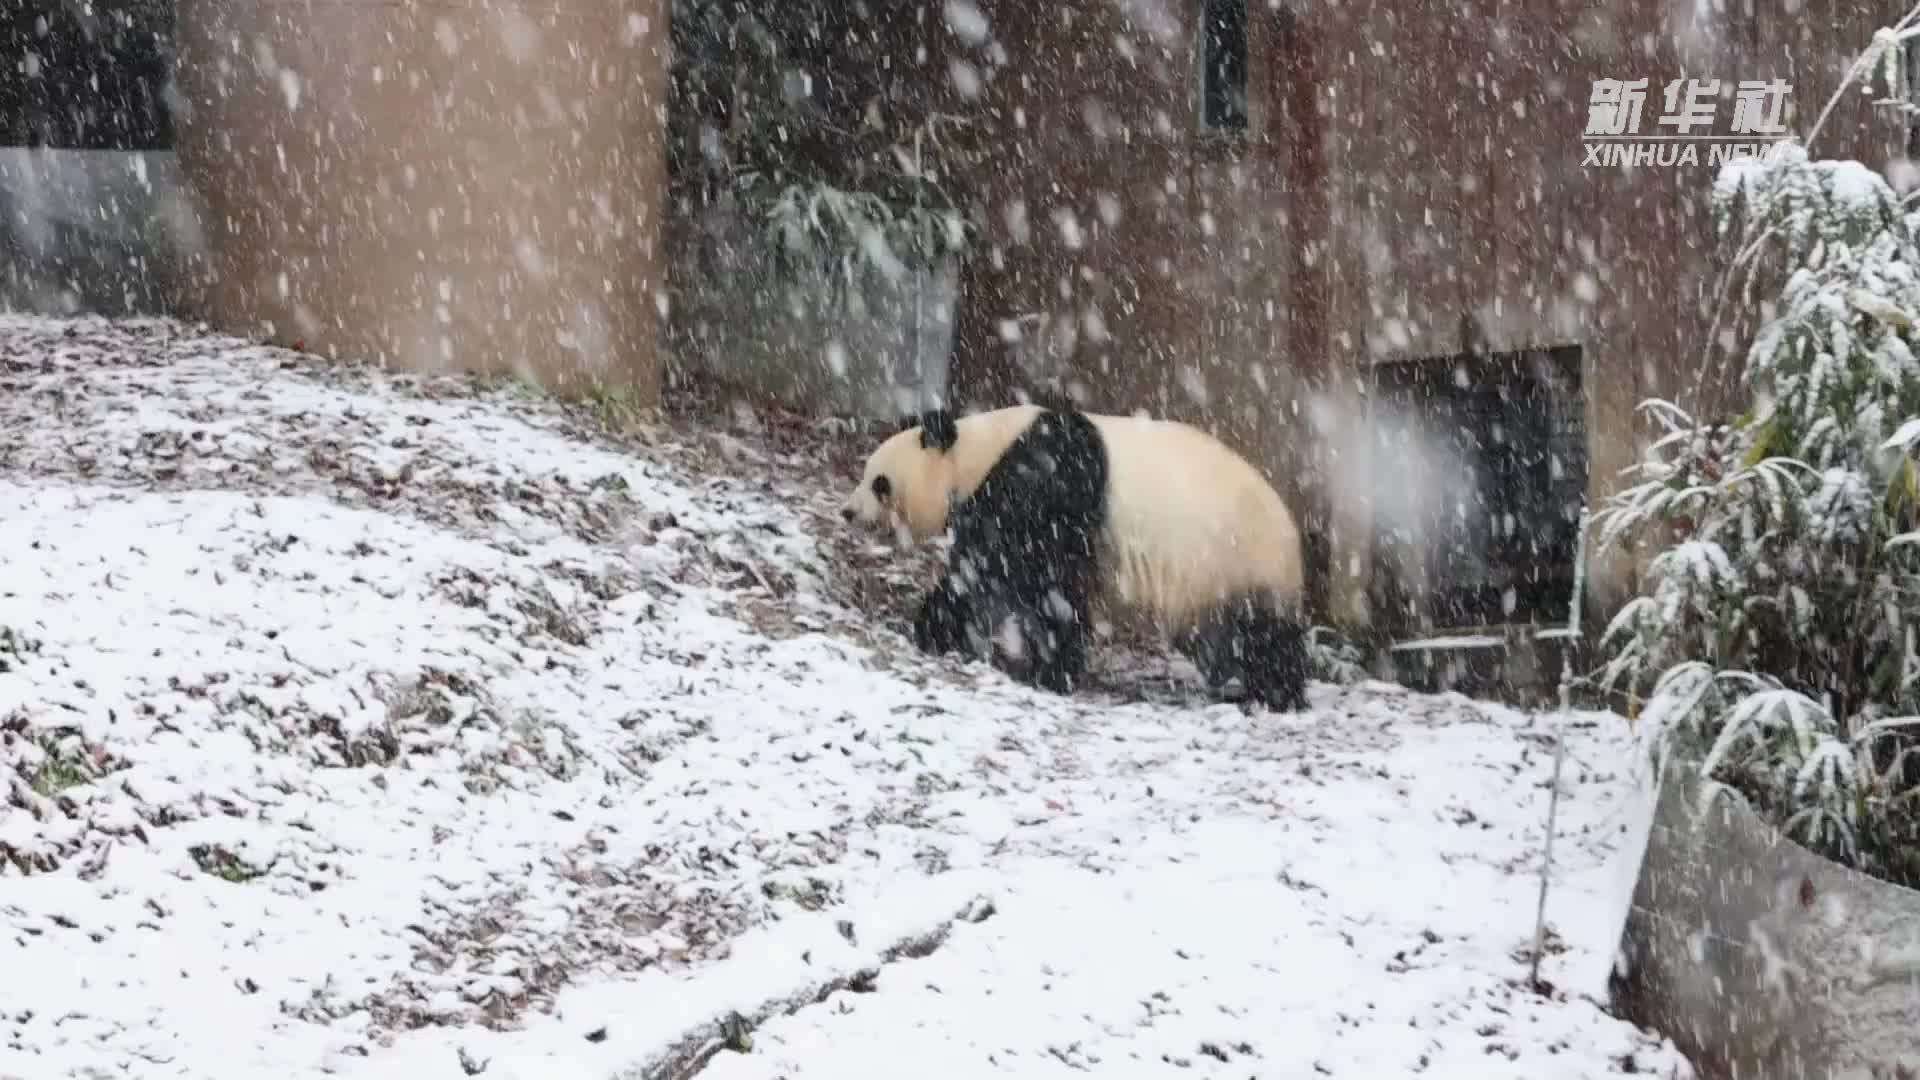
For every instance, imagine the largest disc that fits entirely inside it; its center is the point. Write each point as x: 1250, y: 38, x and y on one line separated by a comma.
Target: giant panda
x: 1058, y: 515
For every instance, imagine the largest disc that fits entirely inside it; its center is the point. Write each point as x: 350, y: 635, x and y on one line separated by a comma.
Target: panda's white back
x: 1190, y: 521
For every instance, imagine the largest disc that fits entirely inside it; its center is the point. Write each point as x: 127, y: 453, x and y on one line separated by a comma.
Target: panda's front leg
x: 1064, y: 614
x: 940, y: 626
x: 1036, y: 632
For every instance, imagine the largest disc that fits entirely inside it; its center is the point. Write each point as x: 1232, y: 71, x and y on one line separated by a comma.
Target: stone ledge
x: 1518, y: 663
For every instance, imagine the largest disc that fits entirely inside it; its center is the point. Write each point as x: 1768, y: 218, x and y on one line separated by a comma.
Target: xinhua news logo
x: 1690, y: 111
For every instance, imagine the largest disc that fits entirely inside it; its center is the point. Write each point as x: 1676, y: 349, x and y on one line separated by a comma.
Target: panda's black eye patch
x: 882, y: 487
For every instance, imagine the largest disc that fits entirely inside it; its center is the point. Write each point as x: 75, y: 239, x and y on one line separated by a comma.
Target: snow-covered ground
x: 359, y: 725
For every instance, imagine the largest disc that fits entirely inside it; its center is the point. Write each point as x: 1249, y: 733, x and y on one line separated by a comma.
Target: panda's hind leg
x: 1251, y: 637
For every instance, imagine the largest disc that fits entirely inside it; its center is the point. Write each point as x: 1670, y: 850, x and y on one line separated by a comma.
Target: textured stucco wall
x: 1760, y: 959
x: 456, y: 186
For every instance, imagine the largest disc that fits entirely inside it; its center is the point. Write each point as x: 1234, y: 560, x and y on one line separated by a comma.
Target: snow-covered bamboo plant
x: 1778, y: 626
x: 871, y: 175
x: 859, y: 229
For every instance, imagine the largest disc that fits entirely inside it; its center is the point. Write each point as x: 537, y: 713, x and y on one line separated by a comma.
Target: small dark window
x: 1223, y: 67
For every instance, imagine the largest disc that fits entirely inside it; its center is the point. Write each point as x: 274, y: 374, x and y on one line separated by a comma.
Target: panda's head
x: 908, y: 482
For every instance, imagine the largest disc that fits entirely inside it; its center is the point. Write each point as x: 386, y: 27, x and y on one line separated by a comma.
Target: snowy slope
x: 362, y: 726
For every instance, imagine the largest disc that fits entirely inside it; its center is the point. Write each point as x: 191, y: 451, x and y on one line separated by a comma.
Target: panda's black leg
x: 1206, y: 644
x: 1026, y: 548
x: 1037, y: 636
x: 1277, y: 665
x: 1250, y: 638
x: 1061, y: 620
x: 940, y: 626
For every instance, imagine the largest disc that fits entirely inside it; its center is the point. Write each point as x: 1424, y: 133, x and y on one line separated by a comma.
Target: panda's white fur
x: 1188, y: 522
x: 926, y: 483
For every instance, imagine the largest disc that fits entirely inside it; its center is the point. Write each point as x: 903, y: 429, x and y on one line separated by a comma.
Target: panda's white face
x: 903, y: 489
x: 914, y: 478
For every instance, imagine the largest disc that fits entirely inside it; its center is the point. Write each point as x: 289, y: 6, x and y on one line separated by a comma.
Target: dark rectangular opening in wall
x: 1223, y: 66
x: 1489, y: 455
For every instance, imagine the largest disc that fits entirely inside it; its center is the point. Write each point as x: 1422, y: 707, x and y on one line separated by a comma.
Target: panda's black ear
x: 938, y: 431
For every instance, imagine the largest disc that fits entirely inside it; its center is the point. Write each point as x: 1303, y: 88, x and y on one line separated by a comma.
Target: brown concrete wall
x: 1169, y: 259
x: 468, y: 186
x: 1759, y: 958
x: 1454, y: 197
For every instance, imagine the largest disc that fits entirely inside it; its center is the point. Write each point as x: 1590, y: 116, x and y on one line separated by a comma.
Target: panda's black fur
x: 1027, y: 554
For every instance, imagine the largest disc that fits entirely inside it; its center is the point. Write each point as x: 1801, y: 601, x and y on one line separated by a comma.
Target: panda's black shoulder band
x: 938, y: 431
